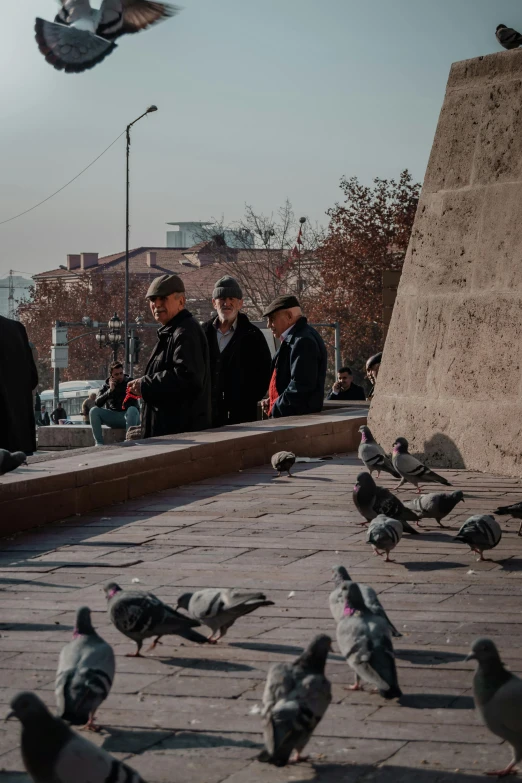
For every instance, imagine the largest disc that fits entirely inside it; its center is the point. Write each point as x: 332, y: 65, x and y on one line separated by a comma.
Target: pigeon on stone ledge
x: 81, y: 37
x: 411, y: 469
x: 11, y: 461
x: 507, y: 37
x: 373, y: 455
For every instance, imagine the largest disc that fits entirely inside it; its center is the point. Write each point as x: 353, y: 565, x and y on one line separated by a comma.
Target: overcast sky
x: 259, y: 101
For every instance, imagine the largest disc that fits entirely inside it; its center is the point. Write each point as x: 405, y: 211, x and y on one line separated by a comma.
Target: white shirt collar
x: 285, y: 334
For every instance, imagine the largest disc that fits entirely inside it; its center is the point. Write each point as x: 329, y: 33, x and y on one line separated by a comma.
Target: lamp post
x: 302, y: 221
x: 126, y: 316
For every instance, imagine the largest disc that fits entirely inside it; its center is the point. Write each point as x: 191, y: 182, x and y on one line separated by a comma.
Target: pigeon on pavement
x: 81, y: 37
x: 507, y: 37
x: 219, y: 609
x: 283, y: 461
x: 140, y: 615
x: 384, y: 534
x: 53, y: 753
x: 295, y: 699
x: 342, y: 579
x: 480, y: 532
x: 373, y: 456
x: 498, y: 699
x: 85, y: 673
x: 411, y: 469
x: 365, y: 641
x: 435, y: 505
x: 515, y: 511
x: 11, y: 461
x: 371, y: 500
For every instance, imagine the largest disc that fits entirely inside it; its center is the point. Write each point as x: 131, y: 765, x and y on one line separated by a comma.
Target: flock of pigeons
x: 297, y: 694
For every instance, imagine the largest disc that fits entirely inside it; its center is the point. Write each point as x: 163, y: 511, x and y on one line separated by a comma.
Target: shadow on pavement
x: 428, y: 657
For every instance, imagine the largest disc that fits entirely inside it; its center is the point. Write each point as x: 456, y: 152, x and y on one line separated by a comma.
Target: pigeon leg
x: 297, y: 758
x: 154, y: 643
x: 378, y: 474
x: 136, y: 654
x: 90, y: 725
x: 419, y: 489
x: 440, y: 523
x: 289, y: 474
x: 388, y: 558
x: 503, y: 773
x: 399, y: 485
x: 356, y: 686
x: 366, y: 521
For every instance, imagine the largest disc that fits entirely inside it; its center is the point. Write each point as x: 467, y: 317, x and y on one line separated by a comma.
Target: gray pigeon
x: 337, y: 600
x: 435, y: 505
x: 11, y: 461
x: 498, y: 699
x: 411, y: 469
x: 480, y: 532
x: 140, y: 615
x: 364, y: 640
x: 81, y: 37
x: 384, y: 534
x: 515, y: 511
x: 373, y: 455
x: 53, y: 753
x: 283, y: 461
x: 85, y: 673
x: 507, y: 37
x: 295, y: 699
x: 219, y: 609
x: 371, y: 500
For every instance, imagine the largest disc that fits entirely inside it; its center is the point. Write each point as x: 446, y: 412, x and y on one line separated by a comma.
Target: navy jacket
x: 301, y: 372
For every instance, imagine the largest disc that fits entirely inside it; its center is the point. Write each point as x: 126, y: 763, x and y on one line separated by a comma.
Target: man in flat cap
x: 239, y: 357
x: 176, y: 384
x: 299, y: 366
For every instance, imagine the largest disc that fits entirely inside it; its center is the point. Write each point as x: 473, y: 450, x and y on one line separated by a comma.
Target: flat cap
x: 165, y: 285
x: 282, y: 302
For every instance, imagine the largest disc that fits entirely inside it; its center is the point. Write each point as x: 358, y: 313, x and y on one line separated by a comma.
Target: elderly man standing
x: 299, y: 367
x: 176, y: 384
x: 18, y: 379
x: 239, y: 357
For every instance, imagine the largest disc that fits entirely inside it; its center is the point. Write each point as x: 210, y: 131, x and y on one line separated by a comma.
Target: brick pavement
x: 188, y: 713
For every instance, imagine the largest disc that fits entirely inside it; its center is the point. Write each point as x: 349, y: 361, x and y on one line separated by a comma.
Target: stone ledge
x: 79, y: 482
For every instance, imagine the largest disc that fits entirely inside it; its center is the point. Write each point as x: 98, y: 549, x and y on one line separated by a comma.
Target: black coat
x: 240, y: 374
x: 113, y: 400
x: 176, y: 384
x: 301, y: 372
x: 353, y: 393
x: 18, y: 378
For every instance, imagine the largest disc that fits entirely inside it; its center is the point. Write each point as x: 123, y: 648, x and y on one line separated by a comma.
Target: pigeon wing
x: 140, y: 14
x: 504, y: 709
x: 82, y: 762
x: 69, y: 49
x: 279, y: 683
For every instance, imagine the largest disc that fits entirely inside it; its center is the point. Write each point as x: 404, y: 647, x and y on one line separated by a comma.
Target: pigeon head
x: 29, y: 709
x: 458, y: 495
x: 184, y: 600
x: 484, y: 651
x: 354, y: 602
x: 501, y: 27
x: 366, y: 434
x: 20, y: 457
x: 340, y: 575
x: 110, y: 589
x: 364, y: 481
x: 83, y: 625
x: 315, y: 655
x: 400, y: 446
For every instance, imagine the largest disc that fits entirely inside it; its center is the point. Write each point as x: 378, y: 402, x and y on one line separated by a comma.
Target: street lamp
x: 302, y: 221
x: 126, y: 317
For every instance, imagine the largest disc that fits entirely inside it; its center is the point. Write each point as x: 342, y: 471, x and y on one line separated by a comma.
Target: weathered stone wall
x: 451, y: 379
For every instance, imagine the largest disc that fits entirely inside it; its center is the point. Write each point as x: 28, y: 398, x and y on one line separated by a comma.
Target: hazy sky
x: 259, y: 101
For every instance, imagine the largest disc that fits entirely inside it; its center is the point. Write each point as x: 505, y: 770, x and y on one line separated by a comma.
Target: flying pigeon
x: 411, y: 469
x: 140, y: 615
x: 11, y: 461
x: 507, y: 37
x: 283, y: 461
x: 480, y: 532
x: 384, y: 534
x: 51, y: 751
x: 373, y: 455
x: 364, y: 640
x: 515, y: 510
x: 498, y: 699
x: 342, y: 579
x: 219, y: 609
x: 435, y: 505
x: 371, y: 500
x: 85, y: 673
x: 81, y: 37
x: 295, y: 699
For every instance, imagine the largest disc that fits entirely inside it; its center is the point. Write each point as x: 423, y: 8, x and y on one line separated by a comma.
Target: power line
x: 63, y: 186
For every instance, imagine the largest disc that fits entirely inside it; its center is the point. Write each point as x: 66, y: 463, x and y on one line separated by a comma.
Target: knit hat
x: 227, y: 287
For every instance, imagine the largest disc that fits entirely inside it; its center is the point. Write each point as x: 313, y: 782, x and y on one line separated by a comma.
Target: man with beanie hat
x: 239, y: 357
x: 176, y: 384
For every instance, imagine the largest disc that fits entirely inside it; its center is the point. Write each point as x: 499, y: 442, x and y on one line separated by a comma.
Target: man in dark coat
x: 239, y: 357
x: 18, y: 378
x: 112, y: 406
x: 344, y: 388
x: 299, y: 366
x: 176, y: 384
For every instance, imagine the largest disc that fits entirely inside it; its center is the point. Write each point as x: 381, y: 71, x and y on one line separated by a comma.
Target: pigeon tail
x: 69, y: 49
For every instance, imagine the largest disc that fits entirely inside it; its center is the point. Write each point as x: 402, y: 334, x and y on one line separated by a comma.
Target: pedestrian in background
x: 372, y: 369
x: 18, y: 380
x: 110, y: 406
x: 89, y: 403
x: 344, y: 388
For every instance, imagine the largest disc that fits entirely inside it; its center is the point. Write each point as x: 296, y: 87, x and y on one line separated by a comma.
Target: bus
x: 72, y: 396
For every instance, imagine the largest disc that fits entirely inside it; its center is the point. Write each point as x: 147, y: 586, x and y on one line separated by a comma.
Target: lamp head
x: 152, y: 108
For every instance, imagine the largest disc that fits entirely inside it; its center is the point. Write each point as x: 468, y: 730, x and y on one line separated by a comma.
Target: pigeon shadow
x: 283, y: 649
x: 434, y: 535
x: 426, y: 565
x: 35, y: 627
x: 206, y: 665
x: 131, y: 740
x: 356, y: 773
x: 310, y: 478
x: 442, y: 452
x: 429, y: 657
x: 435, y: 701
x: 11, y: 581
x: 509, y: 564
x: 185, y: 740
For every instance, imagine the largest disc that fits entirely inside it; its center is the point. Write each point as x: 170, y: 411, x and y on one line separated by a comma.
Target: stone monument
x: 451, y: 376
